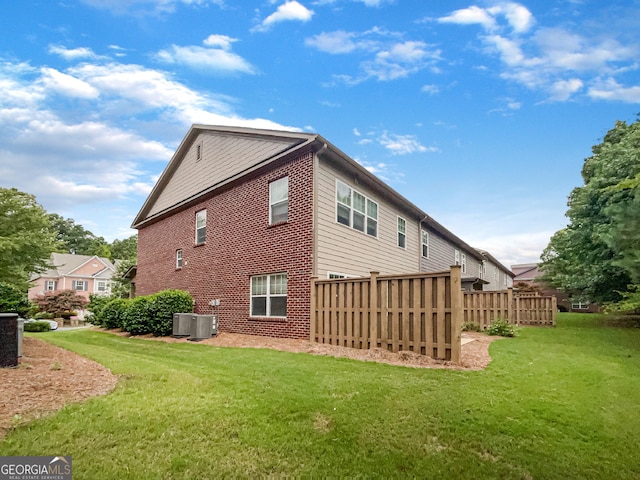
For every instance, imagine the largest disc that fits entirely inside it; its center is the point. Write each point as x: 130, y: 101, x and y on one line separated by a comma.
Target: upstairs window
x: 483, y: 269
x: 201, y: 227
x: 402, y: 232
x: 269, y: 295
x: 463, y: 258
x: 279, y: 201
x: 425, y: 244
x: 179, y: 258
x: 456, y: 257
x: 355, y: 210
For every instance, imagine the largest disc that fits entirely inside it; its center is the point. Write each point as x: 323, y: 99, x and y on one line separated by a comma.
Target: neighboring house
x: 85, y: 274
x: 528, y: 273
x: 497, y: 276
x: 243, y: 218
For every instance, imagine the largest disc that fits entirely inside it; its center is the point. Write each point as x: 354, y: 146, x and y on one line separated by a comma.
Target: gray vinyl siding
x: 499, y: 283
x: 341, y: 249
x: 442, y: 256
x: 222, y: 156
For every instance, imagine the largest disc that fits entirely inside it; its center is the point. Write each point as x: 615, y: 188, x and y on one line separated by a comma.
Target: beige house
x: 85, y: 274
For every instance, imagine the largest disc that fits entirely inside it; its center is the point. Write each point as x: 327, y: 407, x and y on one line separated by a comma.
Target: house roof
x: 495, y: 261
x: 64, y: 264
x: 282, y: 145
x: 525, y: 272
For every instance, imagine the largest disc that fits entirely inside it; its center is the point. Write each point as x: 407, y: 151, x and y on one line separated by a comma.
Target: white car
x: 53, y: 325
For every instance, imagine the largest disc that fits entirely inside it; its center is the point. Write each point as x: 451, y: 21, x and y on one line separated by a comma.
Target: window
x: 425, y: 244
x: 201, y: 227
x: 495, y: 274
x: 80, y: 285
x: 402, y: 232
x: 179, y: 258
x: 279, y: 201
x: 456, y: 257
x: 50, y: 285
x: 101, y: 286
x: 482, y: 269
x: 464, y: 263
x: 355, y: 210
x: 579, y: 305
x: 269, y: 295
x: 336, y: 276
x: 504, y: 280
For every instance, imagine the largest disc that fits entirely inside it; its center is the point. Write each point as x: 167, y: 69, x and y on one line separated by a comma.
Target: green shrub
x: 45, y: 315
x: 163, y: 305
x: 112, y: 314
x: 96, y: 304
x: 37, y: 327
x: 470, y: 327
x: 136, y: 318
x: 13, y: 299
x: 502, y: 328
x: 68, y: 314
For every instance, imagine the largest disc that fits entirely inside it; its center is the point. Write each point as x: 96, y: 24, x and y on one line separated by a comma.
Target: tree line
x: 596, y: 257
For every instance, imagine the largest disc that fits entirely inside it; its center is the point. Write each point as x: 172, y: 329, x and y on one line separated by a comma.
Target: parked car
x: 53, y: 325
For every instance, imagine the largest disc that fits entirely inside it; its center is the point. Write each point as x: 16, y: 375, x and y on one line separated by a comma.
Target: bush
x: 95, y: 307
x: 470, y: 327
x: 502, y: 328
x: 45, y: 315
x: 13, y: 300
x: 154, y: 313
x: 163, y: 305
x: 112, y: 314
x: 37, y: 327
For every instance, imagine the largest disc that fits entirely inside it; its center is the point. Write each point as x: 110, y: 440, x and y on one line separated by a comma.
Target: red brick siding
x: 240, y: 243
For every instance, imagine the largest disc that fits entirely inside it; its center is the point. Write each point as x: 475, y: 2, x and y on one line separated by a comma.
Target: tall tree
x: 126, y: 249
x: 74, y: 238
x: 595, y: 256
x: 26, y: 237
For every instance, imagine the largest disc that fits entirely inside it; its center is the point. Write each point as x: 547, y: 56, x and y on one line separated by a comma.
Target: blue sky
x: 480, y: 113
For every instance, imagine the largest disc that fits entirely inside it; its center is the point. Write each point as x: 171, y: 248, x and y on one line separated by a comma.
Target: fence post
x: 513, y: 315
x: 373, y: 308
x: 314, y: 304
x: 457, y: 312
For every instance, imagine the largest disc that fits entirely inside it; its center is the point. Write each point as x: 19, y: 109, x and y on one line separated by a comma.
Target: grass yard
x: 554, y: 403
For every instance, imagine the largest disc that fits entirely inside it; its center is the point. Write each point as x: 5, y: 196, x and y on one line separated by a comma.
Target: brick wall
x: 240, y: 243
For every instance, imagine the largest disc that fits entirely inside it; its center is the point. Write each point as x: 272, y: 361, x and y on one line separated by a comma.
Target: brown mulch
x: 49, y: 377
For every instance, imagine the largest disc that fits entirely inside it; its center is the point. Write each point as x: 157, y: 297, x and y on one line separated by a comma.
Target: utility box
x: 8, y: 339
x: 182, y: 324
x: 203, y: 326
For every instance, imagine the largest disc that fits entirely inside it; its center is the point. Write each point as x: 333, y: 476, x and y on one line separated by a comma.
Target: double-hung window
x: 279, y: 201
x: 456, y: 257
x: 201, y: 227
x: 425, y: 243
x: 464, y: 263
x: 50, y: 285
x: 179, y: 258
x: 269, y: 295
x: 80, y: 285
x: 355, y: 210
x: 402, y: 232
x: 101, y: 286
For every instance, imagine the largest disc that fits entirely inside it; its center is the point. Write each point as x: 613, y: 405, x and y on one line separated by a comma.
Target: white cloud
x: 72, y: 53
x: 470, y: 16
x: 610, y: 89
x: 67, y: 85
x: 430, y: 89
x: 562, y: 90
x: 403, y: 144
x: 209, y: 58
x: 288, y: 11
x: 333, y: 42
x: 147, y: 6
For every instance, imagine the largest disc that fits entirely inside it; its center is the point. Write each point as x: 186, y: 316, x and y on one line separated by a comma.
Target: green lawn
x: 554, y: 403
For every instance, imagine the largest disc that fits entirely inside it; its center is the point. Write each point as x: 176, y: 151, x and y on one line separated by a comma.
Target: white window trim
x: 338, y: 276
x: 52, y: 283
x: 106, y: 286
x: 201, y: 227
x: 268, y: 295
x: 179, y: 259
x: 85, y: 285
x: 350, y: 207
x: 456, y: 257
x: 285, y: 200
x: 463, y: 262
x: 404, y: 234
x: 423, y: 244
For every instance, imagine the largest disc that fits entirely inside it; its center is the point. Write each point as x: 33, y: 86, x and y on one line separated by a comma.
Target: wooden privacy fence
x: 483, y: 308
x: 420, y: 312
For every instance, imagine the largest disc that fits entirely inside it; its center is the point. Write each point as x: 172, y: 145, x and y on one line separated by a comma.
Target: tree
x: 26, y: 237
x: 74, y: 238
x: 126, y: 249
x: 13, y: 299
x: 58, y: 302
x: 596, y: 256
